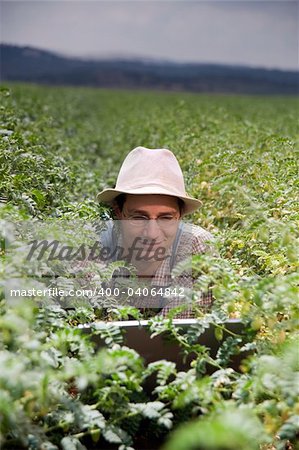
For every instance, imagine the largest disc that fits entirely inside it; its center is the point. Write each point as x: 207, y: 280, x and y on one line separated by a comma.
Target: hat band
x: 153, y: 188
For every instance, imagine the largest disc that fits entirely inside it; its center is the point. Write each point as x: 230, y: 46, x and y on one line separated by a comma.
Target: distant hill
x: 33, y: 65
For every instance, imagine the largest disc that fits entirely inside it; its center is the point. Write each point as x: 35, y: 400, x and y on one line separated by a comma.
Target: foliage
x: 58, y: 148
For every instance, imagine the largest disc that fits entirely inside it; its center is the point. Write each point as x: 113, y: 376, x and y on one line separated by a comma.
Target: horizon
x: 142, y: 59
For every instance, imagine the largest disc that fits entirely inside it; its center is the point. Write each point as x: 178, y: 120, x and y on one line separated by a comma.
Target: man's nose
x: 151, y: 229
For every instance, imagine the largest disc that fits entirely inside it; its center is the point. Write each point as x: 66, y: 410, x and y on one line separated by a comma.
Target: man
x: 150, y: 200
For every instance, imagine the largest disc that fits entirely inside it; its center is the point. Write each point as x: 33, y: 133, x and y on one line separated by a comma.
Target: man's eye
x: 166, y: 218
x: 138, y: 218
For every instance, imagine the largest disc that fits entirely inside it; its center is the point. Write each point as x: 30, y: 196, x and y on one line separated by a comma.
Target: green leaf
x: 39, y: 197
x: 228, y: 429
x: 71, y: 443
x: 290, y: 428
x: 95, y: 435
x: 116, y: 435
x: 68, y: 443
x: 218, y: 333
x: 48, y: 446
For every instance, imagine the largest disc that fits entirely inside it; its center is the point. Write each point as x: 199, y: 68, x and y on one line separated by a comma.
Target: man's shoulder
x: 195, y: 233
x: 200, y: 239
x: 201, y: 233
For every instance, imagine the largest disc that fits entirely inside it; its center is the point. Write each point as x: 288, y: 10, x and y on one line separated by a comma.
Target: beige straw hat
x: 150, y: 171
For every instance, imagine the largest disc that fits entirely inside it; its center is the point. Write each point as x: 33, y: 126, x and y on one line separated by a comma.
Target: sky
x: 258, y: 33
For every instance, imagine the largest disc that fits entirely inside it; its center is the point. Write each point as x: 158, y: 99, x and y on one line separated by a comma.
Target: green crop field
x: 58, y: 148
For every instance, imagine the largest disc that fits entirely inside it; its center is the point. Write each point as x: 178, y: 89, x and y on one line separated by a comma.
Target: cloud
x: 263, y: 33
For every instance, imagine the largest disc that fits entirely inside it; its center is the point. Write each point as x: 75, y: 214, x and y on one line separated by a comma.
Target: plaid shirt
x: 193, y: 240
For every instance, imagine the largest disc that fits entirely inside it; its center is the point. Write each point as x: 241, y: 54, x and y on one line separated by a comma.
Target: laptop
x: 138, y: 337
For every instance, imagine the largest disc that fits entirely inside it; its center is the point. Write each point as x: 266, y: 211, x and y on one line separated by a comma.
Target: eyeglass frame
x: 143, y: 219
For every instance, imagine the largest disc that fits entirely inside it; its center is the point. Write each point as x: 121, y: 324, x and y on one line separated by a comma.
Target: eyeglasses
x: 164, y: 221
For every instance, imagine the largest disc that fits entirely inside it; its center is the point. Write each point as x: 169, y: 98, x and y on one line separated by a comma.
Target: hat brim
x: 109, y: 195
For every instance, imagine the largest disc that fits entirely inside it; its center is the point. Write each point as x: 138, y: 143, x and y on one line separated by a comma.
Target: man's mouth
x: 151, y: 243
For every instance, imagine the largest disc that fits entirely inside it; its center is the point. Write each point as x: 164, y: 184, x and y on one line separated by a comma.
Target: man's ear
x: 116, y: 211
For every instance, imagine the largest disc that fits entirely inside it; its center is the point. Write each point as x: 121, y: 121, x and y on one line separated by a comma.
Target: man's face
x: 153, y: 219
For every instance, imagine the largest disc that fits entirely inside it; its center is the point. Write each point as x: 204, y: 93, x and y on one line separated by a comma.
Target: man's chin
x: 149, y: 251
